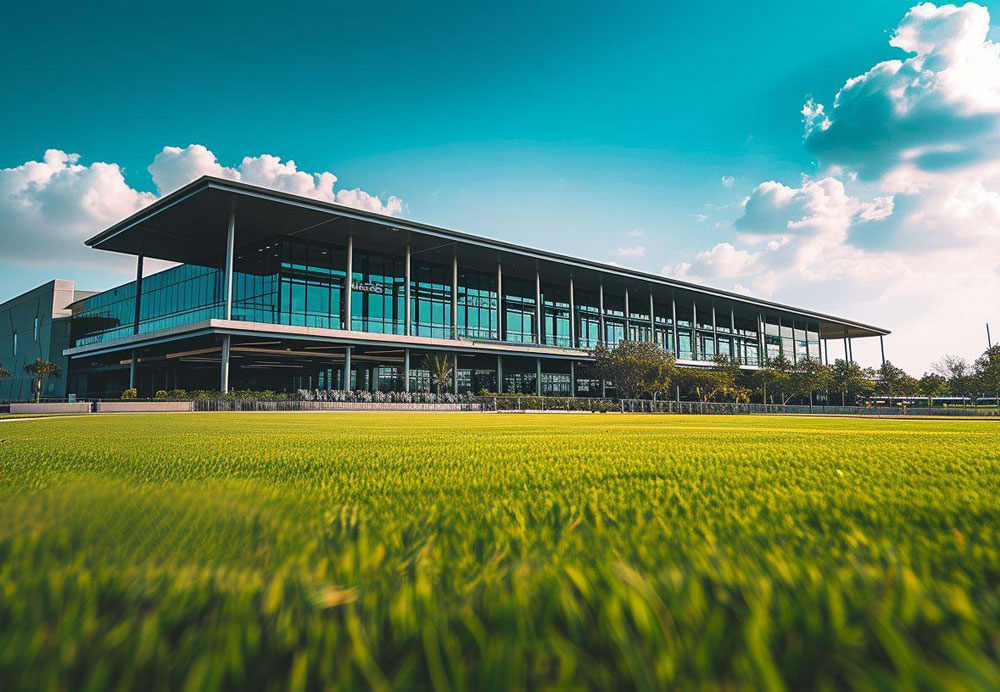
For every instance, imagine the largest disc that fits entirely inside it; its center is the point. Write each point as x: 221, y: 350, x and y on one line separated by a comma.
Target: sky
x: 843, y: 157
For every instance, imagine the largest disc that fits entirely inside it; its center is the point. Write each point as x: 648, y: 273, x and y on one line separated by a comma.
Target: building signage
x: 368, y: 287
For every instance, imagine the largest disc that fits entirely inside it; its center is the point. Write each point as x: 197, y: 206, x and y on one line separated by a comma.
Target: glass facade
x: 292, y: 282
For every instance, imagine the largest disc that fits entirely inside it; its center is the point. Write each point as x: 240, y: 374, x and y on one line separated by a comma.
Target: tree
x: 933, y: 385
x: 987, y: 371
x: 849, y: 378
x: 440, y: 366
x: 701, y: 383
x: 728, y: 379
x: 39, y: 369
x: 635, y: 368
x: 957, y: 372
x: 891, y: 380
x: 774, y: 376
x: 811, y: 376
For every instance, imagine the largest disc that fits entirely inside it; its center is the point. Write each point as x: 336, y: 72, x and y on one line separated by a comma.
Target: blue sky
x: 577, y: 127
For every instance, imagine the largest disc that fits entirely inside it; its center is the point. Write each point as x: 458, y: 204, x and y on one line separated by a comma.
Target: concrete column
x: 600, y: 306
x: 572, y: 315
x: 131, y: 371
x: 349, y: 289
x: 538, y: 307
x: 138, y: 293
x: 224, y: 375
x: 454, y: 295
x: 761, y: 349
x: 347, y: 369
x: 538, y: 376
x: 652, y: 319
x: 847, y: 353
x: 628, y: 337
x: 572, y: 378
x: 694, y: 330
x: 230, y: 246
x: 454, y: 372
x: 715, y: 331
x: 499, y: 303
x: 406, y: 369
x: 850, y: 349
x: 407, y: 318
x: 499, y: 374
x: 673, y: 314
x: 881, y: 345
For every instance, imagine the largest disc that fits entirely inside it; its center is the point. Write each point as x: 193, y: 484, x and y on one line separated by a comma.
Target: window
x: 35, y: 329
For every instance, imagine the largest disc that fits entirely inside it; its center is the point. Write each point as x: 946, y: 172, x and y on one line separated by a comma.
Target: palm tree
x: 39, y: 369
x: 440, y: 366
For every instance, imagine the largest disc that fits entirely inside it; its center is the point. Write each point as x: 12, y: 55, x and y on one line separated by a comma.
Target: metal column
x: 673, y: 315
x: 224, y: 378
x: 406, y: 369
x: 131, y: 371
x: 454, y: 372
x: 600, y: 306
x: 538, y: 376
x: 230, y: 244
x: 347, y: 368
x: 881, y: 344
x: 407, y: 318
x: 652, y: 318
x: 499, y: 304
x: 499, y: 374
x: 847, y: 353
x: 538, y: 307
x: 138, y: 294
x: 454, y: 296
x: 715, y: 331
x: 572, y: 315
x: 348, y: 290
x: 572, y: 378
x: 628, y: 336
x: 694, y: 329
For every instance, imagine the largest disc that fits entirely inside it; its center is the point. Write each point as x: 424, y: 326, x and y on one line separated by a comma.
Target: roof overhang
x: 190, y: 225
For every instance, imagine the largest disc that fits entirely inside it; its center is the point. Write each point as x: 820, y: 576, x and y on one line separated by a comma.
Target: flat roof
x: 189, y: 225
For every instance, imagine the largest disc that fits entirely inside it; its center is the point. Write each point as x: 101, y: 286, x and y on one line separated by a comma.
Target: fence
x: 645, y: 406
x: 249, y: 405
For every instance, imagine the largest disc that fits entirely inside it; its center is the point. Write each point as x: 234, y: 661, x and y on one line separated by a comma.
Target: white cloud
x: 902, y: 227
x: 636, y: 233
x: 728, y: 180
x: 633, y: 251
x: 49, y: 207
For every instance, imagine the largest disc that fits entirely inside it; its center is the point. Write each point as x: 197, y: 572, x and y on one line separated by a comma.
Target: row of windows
x: 297, y: 283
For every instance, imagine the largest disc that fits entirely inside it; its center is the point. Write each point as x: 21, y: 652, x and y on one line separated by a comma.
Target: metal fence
x: 248, y: 405
x: 645, y: 406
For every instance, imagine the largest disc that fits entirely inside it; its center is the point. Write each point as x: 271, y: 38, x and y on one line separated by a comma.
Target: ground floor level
x: 287, y: 365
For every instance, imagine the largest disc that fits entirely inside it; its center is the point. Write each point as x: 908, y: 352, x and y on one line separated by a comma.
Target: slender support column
x: 761, y: 350
x: 538, y: 307
x: 224, y: 375
x: 652, y: 318
x: 407, y: 317
x: 600, y: 306
x: 673, y: 319
x: 499, y: 305
x: 881, y: 344
x: 628, y: 336
x: 230, y: 245
x: 347, y: 369
x: 572, y: 378
x: 694, y: 330
x: 131, y: 371
x: 572, y: 315
x: 847, y: 353
x: 138, y: 294
x: 499, y: 374
x: 454, y: 372
x: 538, y: 376
x: 348, y: 292
x: 826, y: 350
x: 850, y: 349
x: 454, y: 296
x: 715, y: 331
x: 406, y: 369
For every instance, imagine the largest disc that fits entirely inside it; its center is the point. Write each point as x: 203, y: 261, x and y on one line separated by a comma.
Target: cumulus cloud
x: 632, y: 251
x: 49, y: 207
x: 900, y: 226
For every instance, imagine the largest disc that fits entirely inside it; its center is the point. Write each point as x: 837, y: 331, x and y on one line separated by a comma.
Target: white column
x: 407, y: 318
x: 673, y: 315
x: 454, y: 296
x: 230, y: 244
x: 538, y: 307
x: 349, y: 283
x: 600, y: 306
x: 406, y: 369
x: 694, y: 329
x: 224, y: 379
x: 499, y: 303
x: 715, y: 331
x: 572, y: 315
x: 347, y: 369
x: 652, y: 318
x: 627, y: 313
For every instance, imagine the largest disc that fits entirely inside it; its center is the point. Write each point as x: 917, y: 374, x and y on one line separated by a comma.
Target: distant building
x: 261, y: 300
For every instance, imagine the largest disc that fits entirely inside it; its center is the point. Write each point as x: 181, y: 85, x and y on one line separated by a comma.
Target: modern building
x: 276, y: 291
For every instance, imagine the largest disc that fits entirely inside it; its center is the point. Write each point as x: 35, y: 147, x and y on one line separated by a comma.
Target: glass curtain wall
x: 664, y: 336
x: 378, y: 293
x: 477, y: 306
x: 430, y: 297
x: 638, y: 308
x: 519, y: 310
x: 614, y: 318
x: 588, y: 319
x: 555, y: 315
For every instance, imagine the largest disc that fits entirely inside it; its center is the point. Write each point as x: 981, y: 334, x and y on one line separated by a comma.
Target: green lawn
x: 498, y: 551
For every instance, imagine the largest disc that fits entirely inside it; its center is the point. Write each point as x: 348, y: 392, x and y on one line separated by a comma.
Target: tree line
x: 639, y: 369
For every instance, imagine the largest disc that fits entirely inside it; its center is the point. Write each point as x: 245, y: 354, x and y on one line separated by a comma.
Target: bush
x: 130, y: 394
x: 161, y: 394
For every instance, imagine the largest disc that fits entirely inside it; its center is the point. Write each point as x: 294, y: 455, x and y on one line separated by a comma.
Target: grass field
x: 492, y: 551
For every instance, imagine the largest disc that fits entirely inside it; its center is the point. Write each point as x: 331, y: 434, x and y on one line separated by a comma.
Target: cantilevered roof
x: 190, y: 224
